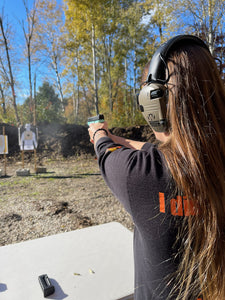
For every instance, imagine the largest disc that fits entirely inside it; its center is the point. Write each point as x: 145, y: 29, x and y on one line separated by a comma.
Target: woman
x: 175, y: 191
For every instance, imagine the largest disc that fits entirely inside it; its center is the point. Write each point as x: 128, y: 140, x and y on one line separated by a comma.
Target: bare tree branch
x: 11, y: 79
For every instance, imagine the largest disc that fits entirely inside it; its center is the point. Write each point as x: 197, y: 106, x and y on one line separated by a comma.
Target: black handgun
x: 96, y: 119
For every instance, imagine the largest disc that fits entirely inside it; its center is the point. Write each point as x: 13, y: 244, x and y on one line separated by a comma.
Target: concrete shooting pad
x: 94, y: 263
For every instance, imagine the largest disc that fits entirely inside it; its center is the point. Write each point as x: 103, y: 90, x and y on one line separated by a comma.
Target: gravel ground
x: 70, y: 195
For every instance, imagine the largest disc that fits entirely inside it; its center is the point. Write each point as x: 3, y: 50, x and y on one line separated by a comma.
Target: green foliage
x: 48, y: 105
x: 9, y: 117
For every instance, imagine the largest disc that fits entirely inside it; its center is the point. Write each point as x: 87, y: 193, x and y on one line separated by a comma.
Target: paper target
x: 3, y: 144
x: 27, y: 137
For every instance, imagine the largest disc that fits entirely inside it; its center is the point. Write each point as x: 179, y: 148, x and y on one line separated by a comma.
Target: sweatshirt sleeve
x: 123, y: 167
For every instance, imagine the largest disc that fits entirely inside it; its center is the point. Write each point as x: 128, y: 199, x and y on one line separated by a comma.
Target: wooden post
x: 4, y: 152
x: 22, y: 153
x: 35, y: 161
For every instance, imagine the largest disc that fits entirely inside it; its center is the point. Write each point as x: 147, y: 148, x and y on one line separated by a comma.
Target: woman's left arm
x: 99, y: 130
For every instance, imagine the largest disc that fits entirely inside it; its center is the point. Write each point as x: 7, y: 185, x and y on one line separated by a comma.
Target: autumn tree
x: 205, y: 18
x: 2, y: 97
x: 4, y: 83
x: 50, y: 40
x: 163, y: 16
x: 84, y: 19
x: 132, y: 50
x: 28, y: 30
x: 5, y: 64
x: 73, y: 73
x: 113, y: 43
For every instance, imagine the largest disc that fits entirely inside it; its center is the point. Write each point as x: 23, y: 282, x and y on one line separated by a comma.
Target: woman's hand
x: 92, y: 130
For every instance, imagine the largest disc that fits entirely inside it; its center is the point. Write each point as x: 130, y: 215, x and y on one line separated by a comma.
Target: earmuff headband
x: 158, y: 65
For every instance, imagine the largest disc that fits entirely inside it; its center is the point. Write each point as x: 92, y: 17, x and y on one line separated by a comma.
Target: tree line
x: 84, y: 57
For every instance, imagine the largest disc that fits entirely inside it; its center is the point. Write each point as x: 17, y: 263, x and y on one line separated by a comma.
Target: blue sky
x: 14, y: 9
x: 14, y: 12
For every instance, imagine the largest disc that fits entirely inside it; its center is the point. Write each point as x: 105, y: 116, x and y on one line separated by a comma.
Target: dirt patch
x: 69, y: 196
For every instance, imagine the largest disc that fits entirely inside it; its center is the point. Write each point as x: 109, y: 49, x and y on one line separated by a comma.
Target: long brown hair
x: 195, y: 153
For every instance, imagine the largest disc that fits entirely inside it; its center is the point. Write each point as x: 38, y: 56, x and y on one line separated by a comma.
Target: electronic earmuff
x: 153, y: 97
